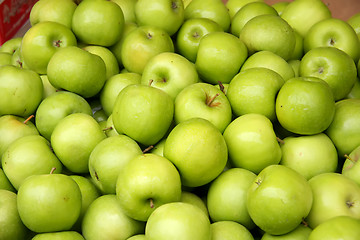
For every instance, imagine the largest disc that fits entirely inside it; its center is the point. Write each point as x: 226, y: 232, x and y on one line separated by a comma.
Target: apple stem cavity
x: 350, y: 204
x: 52, y: 170
x: 332, y: 41
x: 149, y: 36
x: 280, y: 140
x: 151, y: 81
x: 210, y: 100
x: 29, y: 118
x: 173, y: 5
x: 303, y: 222
x: 57, y: 43
x: 148, y: 149
x: 151, y: 203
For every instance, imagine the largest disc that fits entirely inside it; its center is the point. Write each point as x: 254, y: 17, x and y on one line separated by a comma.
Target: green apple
x: 48, y: 88
x: 18, y: 60
x: 305, y: 105
x: 111, y: 63
x: 5, y: 184
x: 309, y: 155
x: 145, y: 183
x: 116, y: 48
x: 74, y: 138
x: 271, y: 33
x: 203, y: 100
x: 105, y: 219
x: 279, y: 199
x: 247, y: 12
x: 351, y: 166
x: 159, y: 147
x: 355, y: 90
x: 190, y: 33
x: 229, y: 230
x: 41, y: 42
x: 165, y: 14
x: 11, y: 45
x: 251, y: 136
x: 89, y: 192
x: 178, y: 220
x: 13, y: 127
x: 344, y: 129
x: 169, y: 72
x: 280, y: 6
x: 295, y: 64
x: 333, y: 195
x: 63, y: 235
x: 226, y: 197
x: 108, y: 158
x: 198, y: 150
x: 271, y: 61
x: 109, y: 128
x: 98, y: 22
x: 211, y: 9
x: 113, y: 87
x: 27, y: 156
x: 76, y: 70
x: 193, y: 198
x: 143, y: 112
x: 128, y: 9
x: 303, y: 14
x: 333, y: 32
x: 354, y: 22
x: 333, y: 66
x: 141, y: 44
x: 299, y: 47
x: 5, y: 58
x: 60, y: 11
x: 11, y: 224
x: 21, y: 91
x: 57, y: 106
x: 49, y: 202
x: 234, y: 6
x: 216, y: 50
x: 254, y: 91
x: 137, y: 237
x: 302, y: 232
x: 341, y: 227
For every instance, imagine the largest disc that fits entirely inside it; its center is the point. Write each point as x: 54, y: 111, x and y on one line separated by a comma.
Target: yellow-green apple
x: 18, y: 60
x: 27, y: 156
x: 212, y: 9
x: 21, y: 91
x: 280, y: 6
x: 60, y: 11
x: 142, y: 43
x: 249, y: 132
x: 271, y: 33
x: 159, y: 147
x: 333, y: 66
x: 344, y: 130
x: 226, y: 197
x: 295, y: 64
x: 5, y: 58
x: 193, y: 198
x: 11, y: 45
x: 178, y: 220
x: 170, y: 72
x: 333, y: 32
x: 234, y: 6
x: 48, y: 88
x: 143, y: 112
x: 73, y: 139
x: 108, y: 158
x: 229, y: 230
x: 49, y: 202
x: 198, y: 150
x: 5, y: 184
x: 216, y: 50
x: 145, y: 183
x: 303, y: 14
x: 299, y: 47
x: 76, y: 70
x: 302, y: 232
x: 276, y: 194
x: 254, y: 91
x: 354, y: 22
x: 13, y: 127
x: 247, y: 12
x: 109, y: 128
x: 203, y: 100
x: 309, y: 155
x: 41, y: 42
x: 128, y: 9
x: 105, y: 219
x: 165, y: 14
x: 137, y: 237
x: 111, y: 63
x: 190, y: 34
x: 11, y: 225
x: 57, y: 106
x: 269, y: 60
x: 333, y: 195
x: 305, y: 105
x: 350, y: 167
x: 63, y: 235
x: 98, y: 22
x: 341, y: 227
x: 355, y: 90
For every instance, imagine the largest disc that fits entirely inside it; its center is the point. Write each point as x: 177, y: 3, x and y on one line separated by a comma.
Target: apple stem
x: 57, y: 43
x: 210, y: 101
x: 149, y: 36
x: 107, y: 129
x: 350, y: 204
x: 150, y: 82
x: 96, y: 176
x: 151, y: 203
x: 222, y: 88
x: 28, y: 119
x: 349, y: 158
x: 52, y: 170
x: 303, y: 222
x: 148, y: 149
x: 280, y: 140
x: 20, y: 63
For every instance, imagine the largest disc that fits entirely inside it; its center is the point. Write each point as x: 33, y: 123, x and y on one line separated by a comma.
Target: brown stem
x: 148, y: 149
x: 210, y: 100
x: 349, y: 158
x: 107, y: 129
x: 52, y: 170
x: 150, y: 82
x: 280, y: 140
x: 222, y: 88
x: 151, y: 203
x: 29, y: 118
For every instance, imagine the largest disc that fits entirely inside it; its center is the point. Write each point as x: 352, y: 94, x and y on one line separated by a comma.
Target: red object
x: 13, y: 15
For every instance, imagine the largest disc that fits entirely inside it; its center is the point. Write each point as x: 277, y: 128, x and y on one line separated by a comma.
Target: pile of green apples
x: 181, y: 120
